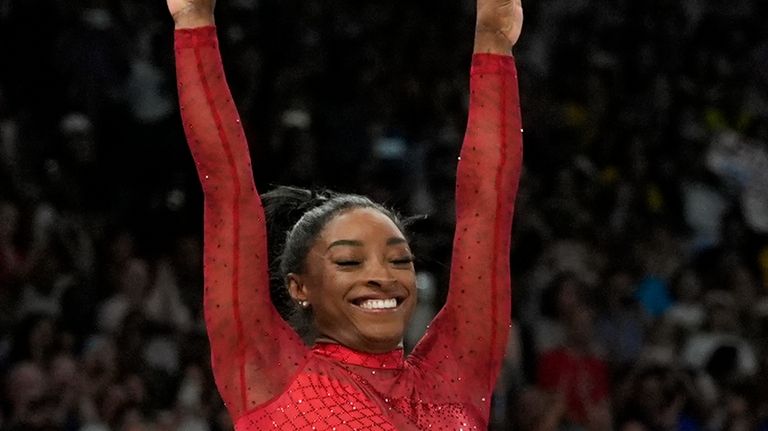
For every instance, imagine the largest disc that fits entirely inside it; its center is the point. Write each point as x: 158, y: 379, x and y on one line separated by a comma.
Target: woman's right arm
x: 254, y: 352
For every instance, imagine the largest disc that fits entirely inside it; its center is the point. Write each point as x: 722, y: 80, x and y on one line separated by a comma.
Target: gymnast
x: 347, y: 265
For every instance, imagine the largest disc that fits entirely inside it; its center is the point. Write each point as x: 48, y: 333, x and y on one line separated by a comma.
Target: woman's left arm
x: 467, y: 339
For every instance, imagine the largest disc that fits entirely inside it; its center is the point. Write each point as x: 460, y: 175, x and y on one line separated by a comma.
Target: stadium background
x: 640, y: 255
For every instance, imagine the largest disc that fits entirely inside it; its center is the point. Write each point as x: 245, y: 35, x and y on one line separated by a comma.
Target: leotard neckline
x: 391, y: 360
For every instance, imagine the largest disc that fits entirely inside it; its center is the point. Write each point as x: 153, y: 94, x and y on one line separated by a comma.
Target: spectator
x: 576, y: 371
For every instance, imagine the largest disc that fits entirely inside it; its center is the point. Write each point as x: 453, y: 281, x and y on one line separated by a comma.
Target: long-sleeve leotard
x: 467, y: 339
x: 247, y: 335
x: 255, y: 354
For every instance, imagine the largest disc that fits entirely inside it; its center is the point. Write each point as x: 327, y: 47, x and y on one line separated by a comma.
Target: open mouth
x: 378, y: 304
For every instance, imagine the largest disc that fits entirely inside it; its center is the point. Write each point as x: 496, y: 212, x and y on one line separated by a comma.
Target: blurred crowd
x: 640, y: 256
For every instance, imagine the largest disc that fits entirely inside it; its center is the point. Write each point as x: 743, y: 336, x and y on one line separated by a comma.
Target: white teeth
x: 376, y: 304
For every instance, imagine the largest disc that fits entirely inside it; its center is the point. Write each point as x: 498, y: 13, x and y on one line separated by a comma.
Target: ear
x: 296, y: 287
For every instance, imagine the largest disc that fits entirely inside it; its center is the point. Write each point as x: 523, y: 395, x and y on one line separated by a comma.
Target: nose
x: 379, y: 276
x: 380, y: 283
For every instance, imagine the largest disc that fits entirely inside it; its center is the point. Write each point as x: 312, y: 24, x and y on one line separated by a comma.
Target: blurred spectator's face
x: 113, y: 402
x: 135, y: 279
x: 25, y: 389
x: 42, y: 335
x: 77, y: 133
x: 736, y: 404
x: 650, y: 393
x: 135, y: 389
x: 532, y: 408
x: 568, y: 300
x: 133, y: 421
x: 633, y: 426
x: 122, y: 247
x: 580, y: 327
x: 99, y: 361
x: 572, y: 256
x: 63, y: 371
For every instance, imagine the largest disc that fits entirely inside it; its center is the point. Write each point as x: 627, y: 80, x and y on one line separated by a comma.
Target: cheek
x: 410, y: 283
x: 329, y: 289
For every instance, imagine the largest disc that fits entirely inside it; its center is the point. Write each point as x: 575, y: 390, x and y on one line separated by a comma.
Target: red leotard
x: 267, y: 377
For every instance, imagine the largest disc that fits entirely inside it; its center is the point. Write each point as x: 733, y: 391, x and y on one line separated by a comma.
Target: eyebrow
x: 356, y: 243
x: 352, y: 242
x: 396, y: 240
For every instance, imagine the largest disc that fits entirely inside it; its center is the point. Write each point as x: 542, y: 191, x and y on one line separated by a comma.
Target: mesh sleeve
x: 254, y: 352
x: 466, y: 340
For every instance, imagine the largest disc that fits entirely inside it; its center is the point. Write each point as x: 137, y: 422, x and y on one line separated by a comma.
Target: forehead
x: 363, y: 224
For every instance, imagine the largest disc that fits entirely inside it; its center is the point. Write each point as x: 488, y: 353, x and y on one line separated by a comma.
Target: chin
x: 379, y: 341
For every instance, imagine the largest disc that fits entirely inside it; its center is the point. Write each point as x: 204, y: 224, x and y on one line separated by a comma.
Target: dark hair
x: 295, y: 216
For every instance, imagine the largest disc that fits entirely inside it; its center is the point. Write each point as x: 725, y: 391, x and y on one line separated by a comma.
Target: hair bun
x: 283, y: 207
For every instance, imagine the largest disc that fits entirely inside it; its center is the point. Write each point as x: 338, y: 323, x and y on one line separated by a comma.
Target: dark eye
x: 347, y: 262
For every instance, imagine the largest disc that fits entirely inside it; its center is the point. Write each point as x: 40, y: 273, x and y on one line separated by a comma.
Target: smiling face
x: 360, y: 281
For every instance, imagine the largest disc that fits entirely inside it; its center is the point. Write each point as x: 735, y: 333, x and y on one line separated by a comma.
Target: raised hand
x: 191, y: 13
x: 499, y: 23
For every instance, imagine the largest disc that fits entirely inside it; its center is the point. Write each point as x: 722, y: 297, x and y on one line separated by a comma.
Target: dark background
x: 640, y: 260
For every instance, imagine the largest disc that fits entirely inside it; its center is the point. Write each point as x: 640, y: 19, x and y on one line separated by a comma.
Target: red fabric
x: 268, y: 378
x: 583, y: 379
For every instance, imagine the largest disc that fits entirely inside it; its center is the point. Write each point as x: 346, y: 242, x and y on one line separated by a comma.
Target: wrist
x: 492, y: 42
x: 192, y: 19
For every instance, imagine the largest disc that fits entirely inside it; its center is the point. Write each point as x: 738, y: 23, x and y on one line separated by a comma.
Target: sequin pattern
x: 266, y: 376
x: 318, y: 402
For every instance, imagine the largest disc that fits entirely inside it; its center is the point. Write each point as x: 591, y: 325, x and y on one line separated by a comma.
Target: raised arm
x: 254, y: 352
x: 467, y: 339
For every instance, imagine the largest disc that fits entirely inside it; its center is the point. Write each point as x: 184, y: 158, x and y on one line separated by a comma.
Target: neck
x: 322, y: 338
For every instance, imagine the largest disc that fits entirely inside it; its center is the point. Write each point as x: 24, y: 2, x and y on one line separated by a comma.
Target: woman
x: 347, y: 260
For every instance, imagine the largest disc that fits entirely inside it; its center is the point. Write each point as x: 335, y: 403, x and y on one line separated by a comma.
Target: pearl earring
x: 304, y: 304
